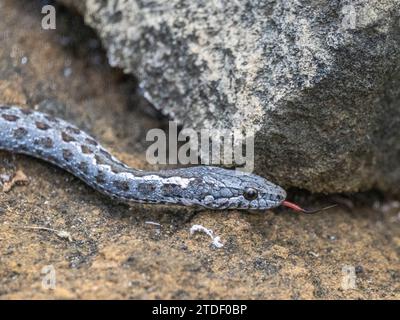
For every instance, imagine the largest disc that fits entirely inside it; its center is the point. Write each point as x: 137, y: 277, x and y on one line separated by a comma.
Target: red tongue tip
x: 297, y: 208
x: 293, y: 206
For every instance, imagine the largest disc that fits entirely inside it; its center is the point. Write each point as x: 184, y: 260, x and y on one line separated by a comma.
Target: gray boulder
x: 316, y: 82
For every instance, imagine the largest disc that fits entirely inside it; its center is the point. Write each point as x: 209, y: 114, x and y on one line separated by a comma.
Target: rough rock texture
x: 316, y: 81
x: 115, y: 253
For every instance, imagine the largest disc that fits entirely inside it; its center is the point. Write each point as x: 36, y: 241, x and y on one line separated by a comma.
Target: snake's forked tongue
x: 297, y: 208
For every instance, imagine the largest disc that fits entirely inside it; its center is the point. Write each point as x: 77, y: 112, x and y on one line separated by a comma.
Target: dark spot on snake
x: 197, y: 182
x: 42, y: 125
x: 66, y: 137
x: 20, y: 133
x: 101, y: 177
x: 85, y: 149
x: 44, y: 142
x: 146, y: 187
x: 26, y: 112
x: 116, y: 169
x: 24, y: 147
x: 121, y: 185
x: 171, y: 189
x: 83, y: 166
x: 99, y: 159
x: 10, y: 117
x: 73, y: 130
x: 91, y: 141
x: 67, y: 155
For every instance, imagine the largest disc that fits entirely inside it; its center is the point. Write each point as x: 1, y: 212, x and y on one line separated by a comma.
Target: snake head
x: 218, y: 188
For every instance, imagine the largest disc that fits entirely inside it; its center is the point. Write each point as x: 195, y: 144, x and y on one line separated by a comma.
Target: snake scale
x: 56, y: 141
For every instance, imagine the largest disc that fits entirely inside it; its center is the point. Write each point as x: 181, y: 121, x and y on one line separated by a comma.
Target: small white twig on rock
x: 59, y: 233
x: 216, y: 241
x: 153, y: 223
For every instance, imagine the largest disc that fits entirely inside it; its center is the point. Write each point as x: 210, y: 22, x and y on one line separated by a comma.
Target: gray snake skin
x: 56, y: 141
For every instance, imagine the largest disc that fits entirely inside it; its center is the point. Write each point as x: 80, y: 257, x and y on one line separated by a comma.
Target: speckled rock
x: 316, y: 82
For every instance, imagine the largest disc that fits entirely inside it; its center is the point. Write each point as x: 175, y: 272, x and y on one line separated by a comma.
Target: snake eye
x: 250, y: 194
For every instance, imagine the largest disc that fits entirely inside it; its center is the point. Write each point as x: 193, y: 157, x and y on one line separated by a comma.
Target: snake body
x: 56, y: 141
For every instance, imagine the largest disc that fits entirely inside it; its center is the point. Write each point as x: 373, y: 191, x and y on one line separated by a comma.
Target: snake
x: 36, y: 134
